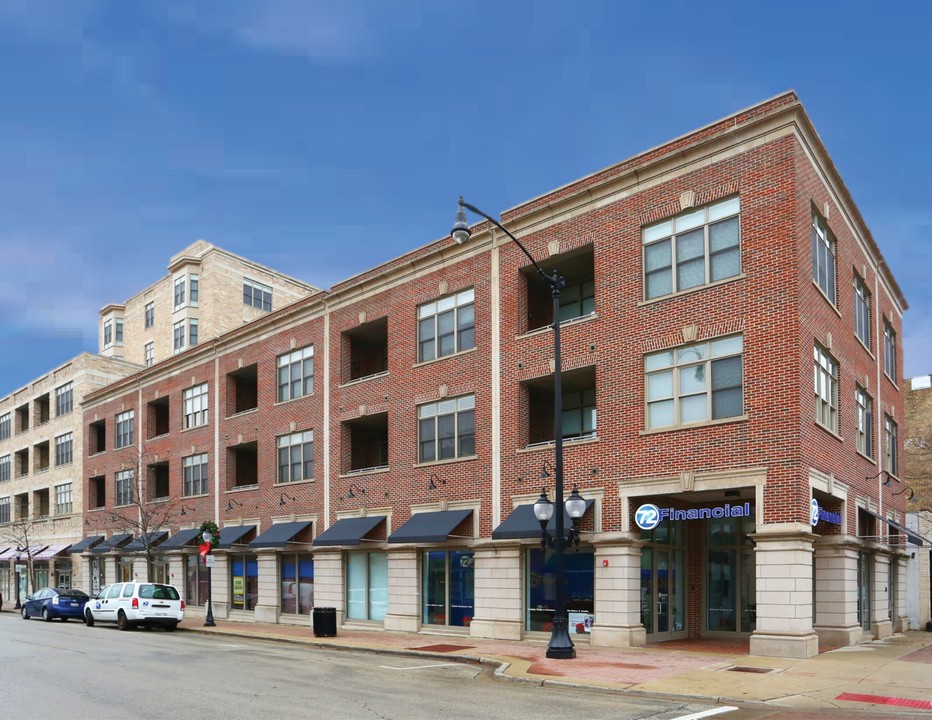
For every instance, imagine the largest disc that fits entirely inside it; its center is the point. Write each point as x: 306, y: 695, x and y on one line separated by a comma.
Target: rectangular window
x: 865, y: 409
x: 63, y: 502
x: 244, y: 581
x: 5, y: 426
x: 195, y: 474
x: 178, y: 336
x: 447, y: 429
x: 4, y: 510
x: 695, y: 383
x: 366, y: 586
x: 257, y: 295
x: 823, y: 257
x: 150, y: 314
x: 193, y: 289
x: 448, y: 588
x: 825, y: 381
x: 297, y: 584
x: 5, y: 468
x: 119, y: 331
x: 889, y: 350
x: 194, y: 401
x: 125, y: 429
x: 192, y: 332
x: 540, y: 589
x: 577, y: 301
x: 446, y: 326
x: 63, y: 449
x: 150, y: 353
x: 124, y: 487
x: 296, y: 374
x: 64, y: 399
x: 108, y: 333
x: 296, y: 457
x: 179, y: 291
x: 579, y: 414
x: 891, y: 452
x: 692, y: 250
x: 862, y: 311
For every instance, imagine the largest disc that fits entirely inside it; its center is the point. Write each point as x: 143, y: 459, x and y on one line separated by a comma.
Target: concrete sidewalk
x: 893, y: 675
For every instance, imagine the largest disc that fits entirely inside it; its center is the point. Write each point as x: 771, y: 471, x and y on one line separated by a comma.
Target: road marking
x: 707, y: 713
x: 419, y: 667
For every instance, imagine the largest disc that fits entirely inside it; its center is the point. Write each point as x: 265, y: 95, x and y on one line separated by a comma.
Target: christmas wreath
x: 209, y: 526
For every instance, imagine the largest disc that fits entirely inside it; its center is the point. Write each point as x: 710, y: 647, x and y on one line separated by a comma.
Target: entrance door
x: 731, y: 582
x: 663, y: 603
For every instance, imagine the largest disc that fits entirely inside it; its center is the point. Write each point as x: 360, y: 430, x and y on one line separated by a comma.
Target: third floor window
x: 125, y: 429
x: 64, y: 399
x: 862, y: 311
x: 257, y: 295
x: 296, y: 374
x: 446, y: 326
x: 865, y: 419
x: 179, y: 294
x: 447, y: 429
x: 889, y: 350
x: 63, y: 449
x: 825, y: 380
x: 5, y: 425
x: 150, y: 314
x: 195, y: 406
x: 823, y: 257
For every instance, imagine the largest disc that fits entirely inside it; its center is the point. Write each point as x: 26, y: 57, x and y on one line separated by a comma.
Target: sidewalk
x: 892, y: 675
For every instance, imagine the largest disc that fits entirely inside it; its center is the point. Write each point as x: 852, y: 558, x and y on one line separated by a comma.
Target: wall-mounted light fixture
x: 546, y: 469
x: 887, y: 482
x: 351, y: 494
x: 285, y: 499
x: 908, y: 490
x: 185, y: 509
x: 431, y: 485
x: 233, y: 502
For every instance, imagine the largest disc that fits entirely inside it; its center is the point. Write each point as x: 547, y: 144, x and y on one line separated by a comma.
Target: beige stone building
x: 918, y: 463
x: 207, y: 292
x: 41, y: 467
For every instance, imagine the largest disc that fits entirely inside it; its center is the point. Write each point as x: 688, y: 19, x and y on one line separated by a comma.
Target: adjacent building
x: 732, y: 398
x: 918, y: 461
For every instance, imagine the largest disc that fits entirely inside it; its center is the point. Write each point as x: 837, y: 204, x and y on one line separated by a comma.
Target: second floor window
x: 889, y: 350
x: 4, y: 510
x: 195, y: 406
x: 862, y: 311
x: 5, y: 425
x: 447, y: 429
x: 296, y: 374
x: 296, y: 457
x: 179, y: 294
x: 150, y: 353
x: 63, y: 499
x: 63, y: 451
x: 125, y: 429
x: 178, y: 336
x: 823, y: 257
x: 257, y: 295
x: 579, y: 414
x: 64, y: 399
x: 195, y: 474
x: 446, y: 326
x: 891, y: 453
x: 865, y: 410
x: 825, y: 379
x: 692, y: 250
x: 4, y: 468
x: 124, y: 487
x: 150, y: 314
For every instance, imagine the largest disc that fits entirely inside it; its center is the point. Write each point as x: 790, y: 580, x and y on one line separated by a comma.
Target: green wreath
x: 211, y: 527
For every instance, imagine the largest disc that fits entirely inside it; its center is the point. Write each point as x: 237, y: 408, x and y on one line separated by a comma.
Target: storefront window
x: 244, y: 581
x: 41, y: 575
x: 124, y: 570
x: 195, y: 580
x: 540, y: 590
x: 448, y: 596
x: 366, y: 586
x: 297, y: 584
x: 63, y: 575
x: 731, y: 595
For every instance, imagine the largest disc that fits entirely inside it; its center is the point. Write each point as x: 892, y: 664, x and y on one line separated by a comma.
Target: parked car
x: 49, y: 603
x: 136, y: 603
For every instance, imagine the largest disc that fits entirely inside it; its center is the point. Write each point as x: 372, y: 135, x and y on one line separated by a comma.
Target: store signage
x: 817, y: 513
x: 649, y: 516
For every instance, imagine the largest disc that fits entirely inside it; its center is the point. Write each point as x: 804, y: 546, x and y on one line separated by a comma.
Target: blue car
x: 61, y: 603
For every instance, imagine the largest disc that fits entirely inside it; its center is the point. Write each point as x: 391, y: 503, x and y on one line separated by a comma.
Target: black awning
x: 278, y: 535
x: 349, y: 531
x: 522, y: 523
x: 429, y: 527
x: 151, y: 539
x: 180, y: 539
x: 112, y: 543
x: 85, y: 544
x: 233, y: 534
x: 910, y: 535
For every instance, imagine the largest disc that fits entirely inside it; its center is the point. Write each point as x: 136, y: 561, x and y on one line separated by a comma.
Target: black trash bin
x: 325, y: 622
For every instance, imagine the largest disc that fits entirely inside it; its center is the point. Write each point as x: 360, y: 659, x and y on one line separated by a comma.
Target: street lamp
x: 208, y: 540
x: 19, y: 576
x: 561, y: 646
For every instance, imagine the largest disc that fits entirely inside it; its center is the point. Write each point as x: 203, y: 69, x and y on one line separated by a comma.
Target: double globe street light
x: 560, y: 646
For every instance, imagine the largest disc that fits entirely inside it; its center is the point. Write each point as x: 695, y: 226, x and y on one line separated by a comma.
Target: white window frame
x: 195, y: 403
x: 296, y: 374
x: 6, y: 467
x: 5, y: 510
x: 118, y: 332
x: 825, y: 386
x: 891, y: 459
x: 864, y: 404
x: 193, y: 289
x: 124, y: 491
x: 295, y: 457
x: 195, y: 475
x: 149, y: 353
x: 108, y: 333
x: 824, y: 249
x: 6, y: 425
x: 178, y: 336
x: 257, y: 295
x: 889, y: 350
x: 179, y: 292
x: 862, y: 311
x: 124, y: 429
x: 64, y: 498
x: 192, y: 332
x: 150, y: 314
x: 64, y: 449
x: 64, y: 399
x: 432, y: 414
x: 459, y: 306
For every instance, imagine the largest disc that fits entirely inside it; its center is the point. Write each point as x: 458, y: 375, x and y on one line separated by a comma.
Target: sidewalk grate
x: 748, y: 669
x: 442, y: 648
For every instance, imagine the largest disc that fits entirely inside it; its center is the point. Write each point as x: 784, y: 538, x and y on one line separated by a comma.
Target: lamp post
x: 208, y: 558
x: 17, y: 606
x: 561, y: 646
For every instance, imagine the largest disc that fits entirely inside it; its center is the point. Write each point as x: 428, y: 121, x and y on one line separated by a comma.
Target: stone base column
x: 329, y: 585
x: 498, y: 612
x: 836, y: 590
x: 901, y: 612
x: 403, y: 597
x: 269, y: 588
x: 177, y: 575
x: 881, y: 624
x: 617, y: 594
x: 784, y: 592
x: 219, y: 586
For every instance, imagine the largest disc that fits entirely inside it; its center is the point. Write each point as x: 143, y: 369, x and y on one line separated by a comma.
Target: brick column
x: 498, y: 612
x: 618, y: 592
x: 329, y: 586
x: 881, y: 624
x: 269, y: 587
x: 784, y: 592
x: 836, y: 578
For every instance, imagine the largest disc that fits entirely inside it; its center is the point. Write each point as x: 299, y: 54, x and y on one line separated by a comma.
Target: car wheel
x: 24, y: 613
x: 45, y: 615
x: 171, y: 627
x: 88, y: 618
x: 122, y: 622
x: 64, y: 619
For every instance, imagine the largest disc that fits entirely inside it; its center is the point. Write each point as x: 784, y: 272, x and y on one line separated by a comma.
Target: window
x: 124, y: 487
x: 194, y: 401
x: 825, y: 380
x: 862, y: 311
x: 257, y: 295
x: 579, y: 415
x: 192, y: 332
x: 63, y: 499
x: 4, y: 510
x: 889, y: 350
x: 447, y: 429
x: 64, y: 399
x: 448, y: 588
x: 823, y: 257
x: 891, y: 456
x: 108, y: 333
x: 296, y: 457
x: 577, y: 300
x: 4, y: 468
x: 366, y: 586
x: 125, y: 429
x: 119, y: 331
x: 178, y: 335
x: 195, y: 474
x: 150, y: 314
x: 244, y: 581
x: 540, y: 588
x: 63, y: 449
x: 865, y: 409
x: 196, y: 581
x: 296, y: 374
x: 297, y: 584
x: 691, y: 250
x: 5, y: 426
x: 179, y: 291
x: 150, y: 353
x: 193, y: 291
x: 695, y: 383
x: 446, y: 326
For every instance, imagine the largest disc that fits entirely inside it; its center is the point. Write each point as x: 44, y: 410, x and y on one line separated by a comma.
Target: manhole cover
x: 442, y: 648
x: 745, y: 668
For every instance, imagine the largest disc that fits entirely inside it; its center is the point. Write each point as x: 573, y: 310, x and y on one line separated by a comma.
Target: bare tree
x: 22, y: 533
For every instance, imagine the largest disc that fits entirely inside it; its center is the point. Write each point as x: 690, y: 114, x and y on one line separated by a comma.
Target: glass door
x: 663, y: 591
x: 731, y: 576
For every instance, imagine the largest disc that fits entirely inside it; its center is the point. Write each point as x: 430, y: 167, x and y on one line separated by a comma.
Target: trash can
x: 325, y: 622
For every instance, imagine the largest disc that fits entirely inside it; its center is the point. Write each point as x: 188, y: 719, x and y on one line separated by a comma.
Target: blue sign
x: 649, y: 516
x: 817, y: 513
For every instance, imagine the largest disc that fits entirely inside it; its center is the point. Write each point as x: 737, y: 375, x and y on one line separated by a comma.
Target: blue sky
x: 322, y: 138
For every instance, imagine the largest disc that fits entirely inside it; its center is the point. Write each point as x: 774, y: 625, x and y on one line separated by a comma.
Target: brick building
x: 918, y: 463
x: 731, y: 402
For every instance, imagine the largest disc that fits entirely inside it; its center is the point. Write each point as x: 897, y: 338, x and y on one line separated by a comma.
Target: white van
x: 136, y: 603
